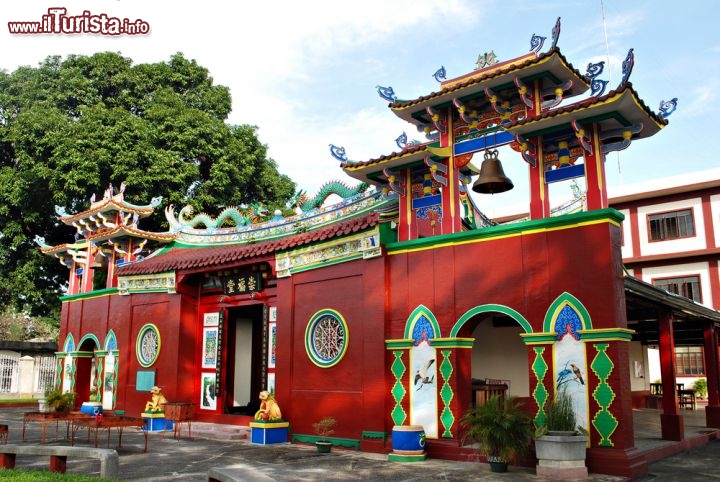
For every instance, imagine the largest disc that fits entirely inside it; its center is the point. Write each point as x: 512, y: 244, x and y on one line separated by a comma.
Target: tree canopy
x: 71, y: 127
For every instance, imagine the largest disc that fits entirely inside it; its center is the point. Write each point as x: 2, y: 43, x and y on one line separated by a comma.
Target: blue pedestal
x: 269, y: 433
x: 157, y: 422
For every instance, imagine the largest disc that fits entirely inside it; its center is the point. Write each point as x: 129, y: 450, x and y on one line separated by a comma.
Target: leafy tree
x: 69, y: 128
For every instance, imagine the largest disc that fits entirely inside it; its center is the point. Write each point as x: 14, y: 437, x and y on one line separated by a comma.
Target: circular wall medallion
x: 147, y: 347
x: 326, y: 338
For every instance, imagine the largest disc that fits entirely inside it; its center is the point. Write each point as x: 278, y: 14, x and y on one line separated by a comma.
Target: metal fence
x: 46, y: 367
x: 26, y: 375
x: 9, y: 372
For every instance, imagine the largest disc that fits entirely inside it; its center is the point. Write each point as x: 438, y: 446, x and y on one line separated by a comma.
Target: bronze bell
x: 492, y: 178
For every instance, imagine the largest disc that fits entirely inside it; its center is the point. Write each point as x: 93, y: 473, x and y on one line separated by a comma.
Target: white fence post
x: 25, y: 380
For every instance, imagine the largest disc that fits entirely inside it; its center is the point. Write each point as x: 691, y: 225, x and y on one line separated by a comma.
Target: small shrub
x: 324, y: 428
x: 59, y: 401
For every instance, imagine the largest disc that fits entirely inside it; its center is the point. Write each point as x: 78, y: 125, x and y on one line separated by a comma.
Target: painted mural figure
x: 423, y: 375
x: 156, y: 401
x: 269, y: 409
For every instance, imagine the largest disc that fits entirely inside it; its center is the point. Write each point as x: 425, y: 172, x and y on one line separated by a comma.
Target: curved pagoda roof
x: 371, y: 170
x: 551, y: 67
x: 112, y: 203
x: 619, y: 108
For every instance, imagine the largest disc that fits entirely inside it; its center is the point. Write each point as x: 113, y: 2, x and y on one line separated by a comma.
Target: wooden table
x: 48, y: 418
x: 179, y: 412
x: 108, y: 423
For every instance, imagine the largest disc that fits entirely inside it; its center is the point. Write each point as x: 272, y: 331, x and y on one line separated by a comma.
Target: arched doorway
x: 499, y: 357
x: 85, y: 368
x: 499, y: 354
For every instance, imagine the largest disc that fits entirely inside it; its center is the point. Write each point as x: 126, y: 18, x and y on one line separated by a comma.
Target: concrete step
x: 217, y: 431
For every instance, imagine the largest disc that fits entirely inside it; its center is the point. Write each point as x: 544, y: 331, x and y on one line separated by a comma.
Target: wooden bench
x: 109, y: 459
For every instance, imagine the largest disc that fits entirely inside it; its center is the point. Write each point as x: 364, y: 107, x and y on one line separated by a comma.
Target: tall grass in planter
x: 502, y: 429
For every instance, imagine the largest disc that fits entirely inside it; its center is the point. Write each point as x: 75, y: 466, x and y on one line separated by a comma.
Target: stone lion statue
x: 269, y: 409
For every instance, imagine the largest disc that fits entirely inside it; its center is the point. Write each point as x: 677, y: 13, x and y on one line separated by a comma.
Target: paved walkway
x: 190, y: 460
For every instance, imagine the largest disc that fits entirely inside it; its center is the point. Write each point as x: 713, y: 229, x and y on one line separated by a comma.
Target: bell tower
x: 517, y: 103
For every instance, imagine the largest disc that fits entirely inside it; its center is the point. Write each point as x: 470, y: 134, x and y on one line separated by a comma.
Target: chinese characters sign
x: 242, y: 283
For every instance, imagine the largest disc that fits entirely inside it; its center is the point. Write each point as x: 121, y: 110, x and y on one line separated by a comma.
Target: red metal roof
x: 205, y: 258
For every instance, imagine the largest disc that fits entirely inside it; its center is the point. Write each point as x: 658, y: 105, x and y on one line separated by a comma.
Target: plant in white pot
x: 501, y: 427
x: 323, y: 429
x: 560, y: 443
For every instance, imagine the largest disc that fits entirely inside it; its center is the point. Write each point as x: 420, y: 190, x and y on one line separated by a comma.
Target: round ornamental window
x: 147, y: 347
x: 326, y: 338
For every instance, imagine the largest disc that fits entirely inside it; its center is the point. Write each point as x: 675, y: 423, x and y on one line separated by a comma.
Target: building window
x: 689, y: 361
x: 147, y: 347
x: 687, y: 286
x: 672, y: 225
x: 326, y: 338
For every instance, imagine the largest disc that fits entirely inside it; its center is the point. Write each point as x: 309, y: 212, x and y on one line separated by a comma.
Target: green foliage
x: 71, y: 127
x: 324, y: 427
x: 59, y: 401
x: 560, y: 415
x: 16, y: 326
x: 27, y: 475
x: 700, y: 387
x: 501, y: 427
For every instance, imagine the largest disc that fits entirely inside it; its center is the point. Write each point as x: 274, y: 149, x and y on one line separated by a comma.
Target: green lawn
x: 24, y: 475
x: 18, y: 400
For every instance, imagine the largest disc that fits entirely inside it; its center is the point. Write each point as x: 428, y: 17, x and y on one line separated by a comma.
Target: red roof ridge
x: 201, y: 259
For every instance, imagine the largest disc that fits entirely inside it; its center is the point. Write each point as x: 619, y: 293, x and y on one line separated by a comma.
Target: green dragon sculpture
x: 241, y: 216
x: 305, y: 203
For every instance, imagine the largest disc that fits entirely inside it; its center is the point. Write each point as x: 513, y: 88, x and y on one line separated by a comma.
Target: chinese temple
x: 402, y: 304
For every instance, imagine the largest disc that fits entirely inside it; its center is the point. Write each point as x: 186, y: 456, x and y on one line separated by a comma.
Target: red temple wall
x: 354, y: 391
x: 526, y: 273
x: 126, y: 315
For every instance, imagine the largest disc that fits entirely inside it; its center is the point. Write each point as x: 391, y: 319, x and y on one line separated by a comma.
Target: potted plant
x: 560, y: 443
x: 700, y: 387
x: 57, y: 401
x: 323, y: 429
x: 502, y: 429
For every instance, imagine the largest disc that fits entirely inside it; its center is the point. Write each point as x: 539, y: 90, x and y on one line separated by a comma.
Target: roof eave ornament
x: 555, y: 34
x: 536, y: 43
x: 386, y: 93
x: 667, y: 107
x: 402, y: 141
x: 440, y: 74
x: 627, y: 67
x: 597, y: 86
x: 486, y: 59
x: 338, y: 152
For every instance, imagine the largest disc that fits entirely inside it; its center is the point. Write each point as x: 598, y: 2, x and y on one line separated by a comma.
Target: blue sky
x: 305, y: 72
